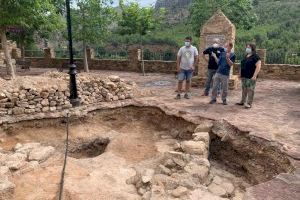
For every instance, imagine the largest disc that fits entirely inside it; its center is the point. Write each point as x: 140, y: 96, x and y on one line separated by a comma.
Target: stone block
x: 194, y: 147
x: 18, y: 110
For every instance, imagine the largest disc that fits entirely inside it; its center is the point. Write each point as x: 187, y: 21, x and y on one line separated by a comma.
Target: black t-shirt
x: 211, y: 62
x: 248, y: 66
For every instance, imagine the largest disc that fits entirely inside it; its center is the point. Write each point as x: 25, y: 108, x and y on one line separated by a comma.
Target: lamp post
x: 74, y: 100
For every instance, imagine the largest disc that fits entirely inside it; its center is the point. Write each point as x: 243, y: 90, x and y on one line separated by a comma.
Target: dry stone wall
x: 52, y: 93
x: 276, y: 71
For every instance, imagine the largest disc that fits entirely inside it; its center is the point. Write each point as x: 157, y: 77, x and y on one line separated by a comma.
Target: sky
x: 142, y: 2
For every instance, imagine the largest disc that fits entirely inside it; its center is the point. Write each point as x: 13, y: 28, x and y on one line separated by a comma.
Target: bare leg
x: 179, y: 89
x: 187, y: 86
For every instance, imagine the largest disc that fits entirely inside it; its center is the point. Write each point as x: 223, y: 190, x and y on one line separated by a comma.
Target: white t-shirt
x: 187, y: 55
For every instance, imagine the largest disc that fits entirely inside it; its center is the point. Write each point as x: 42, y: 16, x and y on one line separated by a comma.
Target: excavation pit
x: 87, y: 148
x: 137, y: 152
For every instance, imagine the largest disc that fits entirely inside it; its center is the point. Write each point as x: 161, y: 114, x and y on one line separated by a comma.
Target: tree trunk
x: 9, y: 66
x: 85, y: 61
x: 22, y: 47
x: 142, y: 56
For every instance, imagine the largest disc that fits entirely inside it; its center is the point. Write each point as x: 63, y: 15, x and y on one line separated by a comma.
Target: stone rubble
x: 184, y: 172
x: 23, y: 158
x: 27, y: 96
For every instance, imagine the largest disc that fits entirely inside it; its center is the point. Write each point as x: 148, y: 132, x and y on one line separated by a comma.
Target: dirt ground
x: 103, y: 176
x: 274, y: 116
x: 121, y: 154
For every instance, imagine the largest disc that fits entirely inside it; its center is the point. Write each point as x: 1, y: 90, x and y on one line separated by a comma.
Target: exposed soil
x: 111, y: 142
x: 87, y: 148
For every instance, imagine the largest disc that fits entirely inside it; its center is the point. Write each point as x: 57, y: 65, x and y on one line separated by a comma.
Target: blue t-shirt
x: 224, y: 68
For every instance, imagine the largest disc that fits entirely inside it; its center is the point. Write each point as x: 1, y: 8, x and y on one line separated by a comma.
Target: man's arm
x: 196, y: 61
x: 215, y: 57
x: 204, y: 53
x: 258, y: 67
x: 229, y: 61
x: 178, y: 63
x: 204, y: 57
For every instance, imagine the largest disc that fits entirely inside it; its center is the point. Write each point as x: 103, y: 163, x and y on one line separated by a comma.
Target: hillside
x: 277, y: 29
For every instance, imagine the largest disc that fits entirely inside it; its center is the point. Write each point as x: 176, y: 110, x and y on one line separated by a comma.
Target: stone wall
x: 156, y: 66
x: 276, y: 71
x: 116, y: 65
x: 272, y: 71
x: 51, y: 93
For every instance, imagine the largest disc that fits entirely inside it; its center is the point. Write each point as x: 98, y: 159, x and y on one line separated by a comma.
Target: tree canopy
x: 135, y: 19
x: 91, y: 20
x: 29, y: 16
x: 240, y: 12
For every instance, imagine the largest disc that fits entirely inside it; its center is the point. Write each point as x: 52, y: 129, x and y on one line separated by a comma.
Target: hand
x: 227, y: 55
x: 253, y: 78
x: 178, y: 69
x: 240, y: 77
x: 213, y: 54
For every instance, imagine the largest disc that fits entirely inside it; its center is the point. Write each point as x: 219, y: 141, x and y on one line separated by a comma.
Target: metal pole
x: 74, y: 100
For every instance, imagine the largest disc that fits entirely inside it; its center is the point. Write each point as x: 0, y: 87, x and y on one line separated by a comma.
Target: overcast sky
x: 142, y: 2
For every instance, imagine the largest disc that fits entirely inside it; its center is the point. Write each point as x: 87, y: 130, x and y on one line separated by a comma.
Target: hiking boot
x: 248, y: 106
x: 213, y: 102
x: 240, y: 104
x: 225, y: 103
x: 178, y: 96
x: 187, y: 96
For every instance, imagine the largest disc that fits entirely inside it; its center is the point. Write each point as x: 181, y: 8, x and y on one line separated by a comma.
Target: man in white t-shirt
x: 187, y: 59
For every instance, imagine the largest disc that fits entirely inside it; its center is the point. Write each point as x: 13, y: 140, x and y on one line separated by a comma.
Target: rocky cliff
x: 172, y: 3
x: 177, y: 10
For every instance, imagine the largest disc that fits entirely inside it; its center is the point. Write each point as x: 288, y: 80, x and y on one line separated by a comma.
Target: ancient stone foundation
x: 233, y: 83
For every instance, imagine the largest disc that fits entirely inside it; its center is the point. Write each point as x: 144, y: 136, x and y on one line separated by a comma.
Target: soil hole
x: 87, y: 148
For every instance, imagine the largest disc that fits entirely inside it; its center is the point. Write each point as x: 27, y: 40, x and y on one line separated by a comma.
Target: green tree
x: 135, y: 19
x: 27, y: 15
x: 240, y: 12
x: 42, y: 26
x: 91, y: 23
x: 138, y: 20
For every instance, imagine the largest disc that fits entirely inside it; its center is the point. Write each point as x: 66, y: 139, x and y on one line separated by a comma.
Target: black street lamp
x: 74, y: 100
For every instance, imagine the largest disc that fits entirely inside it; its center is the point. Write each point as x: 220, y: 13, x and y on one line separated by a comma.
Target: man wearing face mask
x: 250, y: 67
x: 225, y: 62
x: 187, y: 58
x: 216, y: 50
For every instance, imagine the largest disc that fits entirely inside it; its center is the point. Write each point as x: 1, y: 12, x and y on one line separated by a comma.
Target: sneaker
x: 248, y: 106
x: 178, y: 96
x: 225, y: 103
x: 213, y: 102
x: 187, y: 96
x: 240, y: 104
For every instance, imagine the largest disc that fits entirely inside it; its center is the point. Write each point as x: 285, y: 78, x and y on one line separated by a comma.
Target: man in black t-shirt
x: 215, y: 49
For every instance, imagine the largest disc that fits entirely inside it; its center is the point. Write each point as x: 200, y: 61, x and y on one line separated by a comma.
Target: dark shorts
x: 185, y: 74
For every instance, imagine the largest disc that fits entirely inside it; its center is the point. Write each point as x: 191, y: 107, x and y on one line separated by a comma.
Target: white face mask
x: 187, y: 44
x: 215, y: 45
x: 248, y: 50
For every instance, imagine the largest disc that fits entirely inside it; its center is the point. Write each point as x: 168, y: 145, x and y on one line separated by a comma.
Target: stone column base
x: 198, y: 81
